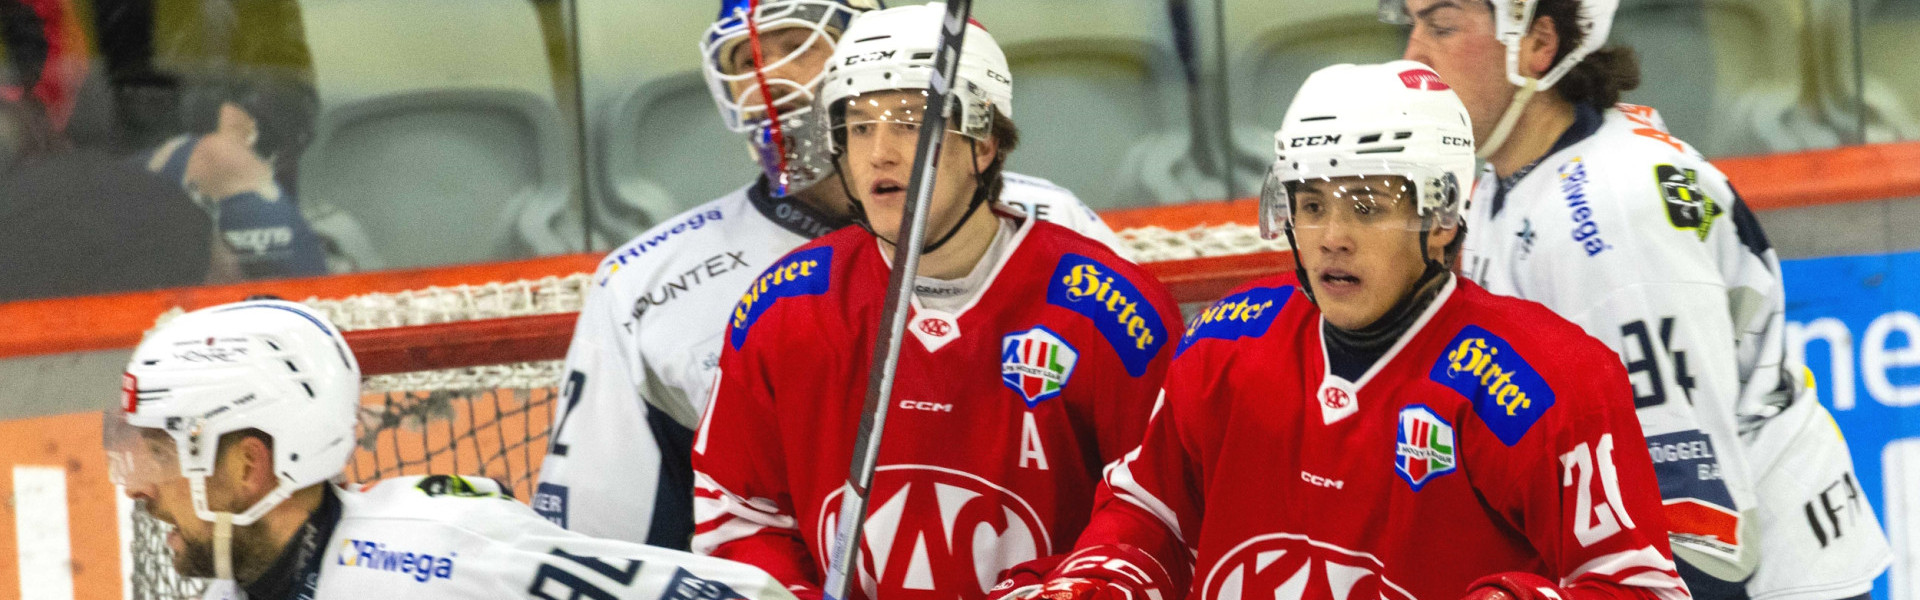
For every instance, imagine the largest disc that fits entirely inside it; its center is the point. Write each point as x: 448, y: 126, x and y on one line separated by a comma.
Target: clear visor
x: 1369, y: 201
x: 887, y: 119
x: 138, y: 457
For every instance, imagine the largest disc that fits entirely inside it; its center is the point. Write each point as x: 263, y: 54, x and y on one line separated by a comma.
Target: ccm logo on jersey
x: 1314, y: 140
x: 802, y: 273
x: 1246, y: 314
x: 1505, y: 391
x: 1117, y: 308
x: 377, y: 556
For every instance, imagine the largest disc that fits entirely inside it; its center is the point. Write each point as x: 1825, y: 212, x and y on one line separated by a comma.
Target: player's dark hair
x: 1006, y: 137
x: 1600, y: 78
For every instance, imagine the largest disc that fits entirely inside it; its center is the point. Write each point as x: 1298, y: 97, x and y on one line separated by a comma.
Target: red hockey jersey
x: 1494, y: 437
x: 1004, y: 413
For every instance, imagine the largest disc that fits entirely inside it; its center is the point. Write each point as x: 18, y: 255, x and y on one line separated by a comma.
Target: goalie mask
x: 276, y: 367
x: 1375, y: 136
x: 743, y: 71
x: 1511, y: 19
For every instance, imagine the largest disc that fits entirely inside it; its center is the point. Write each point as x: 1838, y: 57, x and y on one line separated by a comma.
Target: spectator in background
x: 256, y: 218
x: 82, y: 222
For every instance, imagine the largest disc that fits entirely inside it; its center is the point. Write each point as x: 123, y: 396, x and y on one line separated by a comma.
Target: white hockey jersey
x: 1631, y: 234
x: 641, y: 364
x: 451, y: 537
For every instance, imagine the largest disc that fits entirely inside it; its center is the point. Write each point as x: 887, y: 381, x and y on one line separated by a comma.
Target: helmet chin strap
x: 1508, y: 119
x: 223, y: 545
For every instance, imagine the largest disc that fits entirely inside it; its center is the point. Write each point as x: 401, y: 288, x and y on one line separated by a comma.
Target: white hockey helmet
x: 1396, y: 118
x: 892, y: 49
x: 781, y: 139
x: 1511, y: 19
x: 277, y: 367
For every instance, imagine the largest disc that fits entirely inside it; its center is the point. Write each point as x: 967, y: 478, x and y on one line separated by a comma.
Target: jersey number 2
x: 576, y: 384
x: 1592, y: 521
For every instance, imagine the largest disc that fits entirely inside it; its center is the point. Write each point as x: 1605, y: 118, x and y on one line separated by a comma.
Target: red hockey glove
x: 1023, y: 580
x: 1514, y: 586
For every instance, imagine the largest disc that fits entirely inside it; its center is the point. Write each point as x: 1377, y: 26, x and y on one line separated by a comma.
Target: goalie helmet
x: 893, y: 50
x: 782, y: 139
x: 277, y: 367
x: 1392, y: 119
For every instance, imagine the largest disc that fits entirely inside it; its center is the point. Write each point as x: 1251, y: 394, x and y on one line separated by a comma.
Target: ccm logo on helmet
x: 1448, y: 140
x: 1314, y: 140
x: 876, y: 55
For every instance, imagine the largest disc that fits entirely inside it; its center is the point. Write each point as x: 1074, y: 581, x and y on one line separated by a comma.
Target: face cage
x: 807, y: 157
x: 825, y: 18
x: 1437, y: 193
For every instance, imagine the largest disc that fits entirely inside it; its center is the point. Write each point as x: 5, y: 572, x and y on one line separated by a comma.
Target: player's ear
x: 247, y: 462
x: 1439, y: 239
x: 1539, y: 46
x: 984, y: 153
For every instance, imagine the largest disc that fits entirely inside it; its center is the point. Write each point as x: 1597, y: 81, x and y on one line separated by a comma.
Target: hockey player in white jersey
x: 235, y: 420
x: 643, y: 355
x: 1592, y: 208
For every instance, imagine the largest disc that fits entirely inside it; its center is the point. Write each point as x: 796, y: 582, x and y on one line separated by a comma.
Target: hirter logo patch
x: 1423, y: 449
x: 1036, y: 364
x: 1505, y: 391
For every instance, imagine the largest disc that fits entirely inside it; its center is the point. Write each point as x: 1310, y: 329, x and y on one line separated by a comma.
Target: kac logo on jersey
x: 1423, y: 449
x: 1688, y: 207
x: 803, y: 273
x: 377, y: 556
x: 1036, y: 364
x: 1296, y: 567
x: 1505, y: 391
x: 1118, y: 309
x: 936, y: 529
x: 1246, y: 314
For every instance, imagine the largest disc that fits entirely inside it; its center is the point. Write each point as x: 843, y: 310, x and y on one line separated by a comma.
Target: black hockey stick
x: 844, y: 554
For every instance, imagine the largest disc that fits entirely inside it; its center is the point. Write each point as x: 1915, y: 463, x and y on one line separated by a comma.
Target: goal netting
x: 461, y: 379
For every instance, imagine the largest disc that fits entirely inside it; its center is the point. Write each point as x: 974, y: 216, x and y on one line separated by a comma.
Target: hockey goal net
x: 461, y: 379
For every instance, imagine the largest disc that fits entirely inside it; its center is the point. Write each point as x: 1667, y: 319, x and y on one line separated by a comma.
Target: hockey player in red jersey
x: 1033, y: 357
x: 1373, y: 426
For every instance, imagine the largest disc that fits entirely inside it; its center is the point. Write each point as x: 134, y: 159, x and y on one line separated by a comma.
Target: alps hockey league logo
x: 1036, y: 364
x: 1423, y: 449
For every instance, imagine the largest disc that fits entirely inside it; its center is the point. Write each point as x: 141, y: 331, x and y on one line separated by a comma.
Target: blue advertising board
x: 1855, y: 320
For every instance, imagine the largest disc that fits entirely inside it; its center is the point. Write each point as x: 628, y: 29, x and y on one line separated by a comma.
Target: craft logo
x: 1246, y: 314
x: 1422, y: 79
x: 377, y: 556
x: 936, y: 529
x: 1036, y: 364
x: 1290, y: 566
x: 1423, y: 449
x: 1505, y: 391
x: 1118, y: 309
x: 1688, y: 207
x: 802, y: 273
